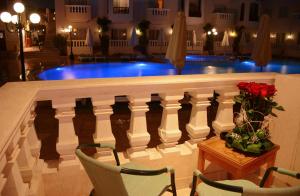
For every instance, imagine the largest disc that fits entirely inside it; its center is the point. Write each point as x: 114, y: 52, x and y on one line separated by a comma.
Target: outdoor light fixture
x: 232, y: 34
x: 138, y: 32
x: 170, y: 31
x: 17, y: 26
x: 19, y: 7
x: 209, y: 33
x: 214, y: 30
x: 14, y: 19
x: 35, y: 18
x: 215, y: 33
x: 289, y: 36
x: 273, y: 35
x: 254, y: 35
x: 5, y: 17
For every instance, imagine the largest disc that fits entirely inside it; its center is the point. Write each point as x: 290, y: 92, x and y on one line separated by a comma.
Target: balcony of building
x: 225, y: 20
x: 158, y: 15
x: 78, y: 10
x: 159, y: 125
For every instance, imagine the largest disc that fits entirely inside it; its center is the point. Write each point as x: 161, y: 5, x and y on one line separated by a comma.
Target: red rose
x: 263, y: 89
x: 254, y: 88
x: 271, y: 90
x: 243, y: 85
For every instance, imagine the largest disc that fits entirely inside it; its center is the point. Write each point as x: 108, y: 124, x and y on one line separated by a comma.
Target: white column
x: 14, y: 185
x: 25, y: 158
x: 33, y: 140
x: 103, y: 111
x: 169, y: 129
x: 197, y: 126
x: 137, y: 134
x: 224, y: 118
x: 3, y: 179
x: 67, y: 139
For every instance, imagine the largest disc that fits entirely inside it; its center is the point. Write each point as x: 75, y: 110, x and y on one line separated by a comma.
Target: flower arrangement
x: 251, y: 134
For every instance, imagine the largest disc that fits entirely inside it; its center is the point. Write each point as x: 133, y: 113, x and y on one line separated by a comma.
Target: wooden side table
x: 237, y: 164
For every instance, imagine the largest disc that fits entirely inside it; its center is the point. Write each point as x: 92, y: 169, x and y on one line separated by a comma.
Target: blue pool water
x: 194, y: 65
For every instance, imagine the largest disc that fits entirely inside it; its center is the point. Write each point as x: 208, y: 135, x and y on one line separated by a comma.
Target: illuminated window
x: 242, y: 13
x: 253, y: 15
x: 195, y: 8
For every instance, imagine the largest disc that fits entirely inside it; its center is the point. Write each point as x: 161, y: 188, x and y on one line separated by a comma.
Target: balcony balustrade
x: 224, y: 20
x: 20, y: 166
x: 79, y: 47
x: 78, y: 13
x: 158, y: 15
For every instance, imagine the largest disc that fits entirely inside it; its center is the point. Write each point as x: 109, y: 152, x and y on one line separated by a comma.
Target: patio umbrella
x: 89, y: 40
x: 261, y: 53
x: 225, y: 40
x: 177, y: 45
x: 194, y: 38
x: 133, y: 39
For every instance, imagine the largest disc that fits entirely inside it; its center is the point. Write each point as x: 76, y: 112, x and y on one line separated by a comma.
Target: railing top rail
x: 16, y: 98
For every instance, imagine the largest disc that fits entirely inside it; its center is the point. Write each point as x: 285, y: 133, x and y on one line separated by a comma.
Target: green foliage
x: 209, y: 41
x: 103, y: 36
x: 104, y: 23
x: 236, y: 41
x: 60, y: 42
x: 143, y: 26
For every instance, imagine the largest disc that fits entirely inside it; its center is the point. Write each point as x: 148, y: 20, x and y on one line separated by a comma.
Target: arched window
x: 242, y: 12
x: 253, y: 14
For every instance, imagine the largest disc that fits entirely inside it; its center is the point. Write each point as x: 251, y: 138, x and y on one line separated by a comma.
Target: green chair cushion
x: 206, y: 190
x: 144, y: 185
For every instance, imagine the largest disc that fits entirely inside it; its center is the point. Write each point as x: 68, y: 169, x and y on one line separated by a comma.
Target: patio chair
x: 125, y: 180
x: 243, y: 187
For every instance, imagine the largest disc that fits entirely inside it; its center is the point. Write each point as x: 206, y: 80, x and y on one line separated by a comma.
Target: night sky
x: 41, y: 3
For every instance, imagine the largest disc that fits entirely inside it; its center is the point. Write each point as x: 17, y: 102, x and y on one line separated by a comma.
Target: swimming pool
x: 194, y: 65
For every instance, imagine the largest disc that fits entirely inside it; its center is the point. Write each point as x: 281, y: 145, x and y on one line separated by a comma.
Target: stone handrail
x: 17, y: 102
x: 158, y: 11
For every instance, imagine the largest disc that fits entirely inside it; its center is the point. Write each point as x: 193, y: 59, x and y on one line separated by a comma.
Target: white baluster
x: 169, y: 129
x: 137, y: 133
x: 224, y: 118
x: 25, y: 158
x: 67, y: 139
x: 35, y: 143
x: 14, y: 185
x: 3, y: 180
x: 103, y: 111
x: 197, y: 127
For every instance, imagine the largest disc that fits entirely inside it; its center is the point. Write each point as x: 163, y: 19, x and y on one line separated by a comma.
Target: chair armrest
x: 153, y: 173
x: 279, y: 170
x: 146, y: 172
x: 197, y: 174
x: 102, y: 145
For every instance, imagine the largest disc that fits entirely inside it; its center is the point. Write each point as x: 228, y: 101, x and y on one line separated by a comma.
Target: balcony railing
x: 21, y: 170
x: 158, y: 11
x: 158, y: 15
x: 118, y: 43
x: 121, y: 10
x: 78, y: 13
x: 77, y: 2
x: 79, y: 47
x: 224, y: 19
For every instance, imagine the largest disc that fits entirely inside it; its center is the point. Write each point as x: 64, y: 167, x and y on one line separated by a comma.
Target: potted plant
x: 103, y: 24
x: 60, y: 42
x: 143, y: 26
x: 251, y: 134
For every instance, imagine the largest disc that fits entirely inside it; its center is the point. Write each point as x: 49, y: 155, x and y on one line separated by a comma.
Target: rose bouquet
x: 251, y: 134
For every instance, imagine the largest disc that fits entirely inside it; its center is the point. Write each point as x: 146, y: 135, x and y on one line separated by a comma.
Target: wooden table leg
x: 201, y: 161
x: 270, y: 179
